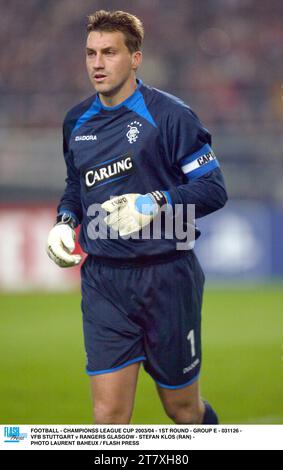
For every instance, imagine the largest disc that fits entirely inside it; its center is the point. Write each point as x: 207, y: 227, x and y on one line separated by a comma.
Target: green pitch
x: 42, y: 379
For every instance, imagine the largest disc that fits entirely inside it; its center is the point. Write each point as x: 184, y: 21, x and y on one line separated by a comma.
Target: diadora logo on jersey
x: 133, y: 132
x: 109, y: 171
x: 85, y: 137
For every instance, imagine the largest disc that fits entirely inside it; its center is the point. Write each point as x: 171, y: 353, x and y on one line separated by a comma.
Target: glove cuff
x: 67, y: 219
x: 159, y: 197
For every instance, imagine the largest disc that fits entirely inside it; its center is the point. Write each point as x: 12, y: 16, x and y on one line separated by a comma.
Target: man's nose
x: 98, y: 62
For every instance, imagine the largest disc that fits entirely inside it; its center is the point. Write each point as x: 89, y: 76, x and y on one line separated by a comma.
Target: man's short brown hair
x: 111, y: 21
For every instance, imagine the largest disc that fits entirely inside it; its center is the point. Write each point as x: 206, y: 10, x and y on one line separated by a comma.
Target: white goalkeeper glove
x: 61, y: 242
x: 129, y: 213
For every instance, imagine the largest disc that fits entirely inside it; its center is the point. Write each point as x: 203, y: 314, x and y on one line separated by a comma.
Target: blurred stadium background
x: 224, y: 58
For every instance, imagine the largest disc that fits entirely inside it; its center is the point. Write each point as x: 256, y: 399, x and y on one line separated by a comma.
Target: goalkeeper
x: 135, y: 150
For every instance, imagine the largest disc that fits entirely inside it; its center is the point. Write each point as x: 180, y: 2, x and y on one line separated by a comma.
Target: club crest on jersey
x: 108, y: 171
x: 133, y: 132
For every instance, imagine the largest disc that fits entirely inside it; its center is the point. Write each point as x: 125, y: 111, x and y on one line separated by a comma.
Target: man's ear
x: 136, y: 60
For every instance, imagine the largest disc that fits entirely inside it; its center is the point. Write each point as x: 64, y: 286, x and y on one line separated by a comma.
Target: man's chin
x: 103, y: 89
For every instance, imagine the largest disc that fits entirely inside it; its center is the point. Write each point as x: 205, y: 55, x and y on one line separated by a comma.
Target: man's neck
x: 119, y: 96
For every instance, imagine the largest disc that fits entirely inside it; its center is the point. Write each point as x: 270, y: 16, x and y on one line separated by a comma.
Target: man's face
x: 109, y: 62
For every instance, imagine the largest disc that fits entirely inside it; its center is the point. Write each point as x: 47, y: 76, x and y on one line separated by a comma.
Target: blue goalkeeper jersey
x: 151, y: 141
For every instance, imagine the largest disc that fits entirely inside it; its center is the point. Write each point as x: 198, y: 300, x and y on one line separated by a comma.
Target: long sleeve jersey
x: 152, y: 141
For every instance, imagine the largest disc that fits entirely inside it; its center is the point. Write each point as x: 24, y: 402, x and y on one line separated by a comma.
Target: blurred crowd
x: 224, y: 57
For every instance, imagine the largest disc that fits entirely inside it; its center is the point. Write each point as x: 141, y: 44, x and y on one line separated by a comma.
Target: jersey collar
x: 126, y: 102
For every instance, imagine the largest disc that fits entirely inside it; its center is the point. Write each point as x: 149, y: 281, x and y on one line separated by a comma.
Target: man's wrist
x: 150, y: 203
x: 160, y: 197
x: 67, y: 218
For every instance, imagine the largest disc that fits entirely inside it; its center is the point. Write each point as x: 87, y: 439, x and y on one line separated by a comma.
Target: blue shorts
x: 149, y: 314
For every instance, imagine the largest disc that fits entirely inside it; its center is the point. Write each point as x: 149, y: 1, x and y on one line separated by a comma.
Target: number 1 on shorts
x: 191, y: 338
